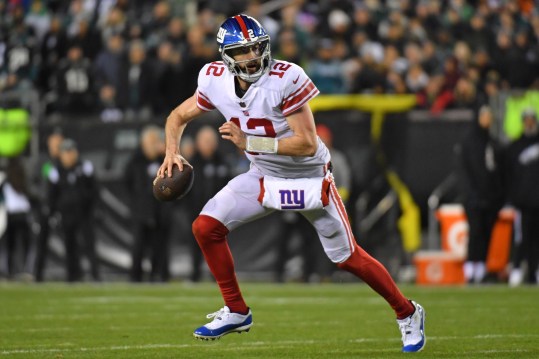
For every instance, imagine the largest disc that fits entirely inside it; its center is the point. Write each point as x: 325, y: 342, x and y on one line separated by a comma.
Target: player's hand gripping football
x: 170, y: 160
x: 230, y: 131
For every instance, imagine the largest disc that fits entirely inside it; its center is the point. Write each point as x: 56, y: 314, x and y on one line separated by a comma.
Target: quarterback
x: 265, y: 104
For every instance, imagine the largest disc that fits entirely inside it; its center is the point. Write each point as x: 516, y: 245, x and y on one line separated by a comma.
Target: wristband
x: 262, y: 144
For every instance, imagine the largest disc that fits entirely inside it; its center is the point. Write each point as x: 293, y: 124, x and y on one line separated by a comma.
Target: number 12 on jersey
x: 253, y: 123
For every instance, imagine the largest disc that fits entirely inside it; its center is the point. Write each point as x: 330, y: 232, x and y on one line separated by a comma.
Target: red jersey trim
x: 298, y: 100
x: 301, y: 87
x: 203, y: 102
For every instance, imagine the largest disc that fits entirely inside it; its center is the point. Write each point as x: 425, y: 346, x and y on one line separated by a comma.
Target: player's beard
x: 251, y: 67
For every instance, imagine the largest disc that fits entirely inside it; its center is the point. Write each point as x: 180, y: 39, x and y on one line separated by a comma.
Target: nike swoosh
x: 295, y: 81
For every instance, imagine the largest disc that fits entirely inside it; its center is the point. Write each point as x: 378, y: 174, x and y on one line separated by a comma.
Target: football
x: 175, y: 187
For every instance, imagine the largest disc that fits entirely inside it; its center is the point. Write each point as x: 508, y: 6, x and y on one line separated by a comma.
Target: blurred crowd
x: 129, y: 59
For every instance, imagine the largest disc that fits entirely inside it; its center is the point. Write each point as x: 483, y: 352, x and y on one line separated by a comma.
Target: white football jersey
x: 262, y: 111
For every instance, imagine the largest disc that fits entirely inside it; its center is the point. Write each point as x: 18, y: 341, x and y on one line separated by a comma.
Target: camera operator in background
x: 150, y: 218
x: 72, y: 194
x: 522, y: 168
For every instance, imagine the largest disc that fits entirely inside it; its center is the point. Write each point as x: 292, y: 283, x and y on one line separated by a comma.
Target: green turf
x: 291, y: 321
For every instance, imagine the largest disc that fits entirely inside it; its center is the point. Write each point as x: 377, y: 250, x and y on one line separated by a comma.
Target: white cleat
x: 413, y: 330
x: 224, y: 322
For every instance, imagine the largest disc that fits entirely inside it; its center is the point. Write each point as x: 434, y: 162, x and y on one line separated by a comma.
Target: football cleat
x: 223, y: 323
x: 413, y: 330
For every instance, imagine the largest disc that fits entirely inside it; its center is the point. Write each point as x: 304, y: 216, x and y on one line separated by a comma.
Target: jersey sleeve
x: 203, y: 92
x: 299, y: 89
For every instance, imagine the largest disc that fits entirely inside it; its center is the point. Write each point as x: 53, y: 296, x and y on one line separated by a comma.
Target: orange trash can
x: 439, y: 267
x: 454, y: 233
x: 500, y: 241
x: 453, y: 229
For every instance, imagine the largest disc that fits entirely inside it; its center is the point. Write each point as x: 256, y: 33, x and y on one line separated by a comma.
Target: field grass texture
x: 290, y: 321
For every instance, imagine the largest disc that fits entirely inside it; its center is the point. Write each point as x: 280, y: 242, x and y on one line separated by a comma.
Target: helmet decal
x: 243, y: 27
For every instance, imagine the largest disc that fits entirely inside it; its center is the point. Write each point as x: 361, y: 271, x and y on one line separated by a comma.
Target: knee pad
x: 206, y: 228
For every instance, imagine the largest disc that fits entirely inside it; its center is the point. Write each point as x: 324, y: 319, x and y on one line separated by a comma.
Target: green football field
x: 291, y: 321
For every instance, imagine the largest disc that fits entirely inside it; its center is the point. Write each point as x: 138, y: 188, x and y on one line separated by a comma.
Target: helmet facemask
x: 260, y: 47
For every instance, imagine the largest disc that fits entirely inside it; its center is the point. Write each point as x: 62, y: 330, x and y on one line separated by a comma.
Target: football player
x: 265, y: 103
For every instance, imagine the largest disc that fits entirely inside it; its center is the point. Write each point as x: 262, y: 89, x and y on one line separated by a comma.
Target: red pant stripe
x: 344, y: 217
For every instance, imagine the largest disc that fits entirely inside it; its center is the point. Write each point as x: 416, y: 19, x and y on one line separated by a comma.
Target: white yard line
x: 272, y: 344
x: 453, y: 337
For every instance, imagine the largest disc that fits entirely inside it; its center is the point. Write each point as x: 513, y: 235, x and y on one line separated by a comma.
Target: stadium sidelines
x: 276, y: 344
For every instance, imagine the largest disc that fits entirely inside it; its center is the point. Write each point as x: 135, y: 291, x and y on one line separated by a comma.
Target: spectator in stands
x: 522, y: 169
x: 370, y: 78
x: 522, y: 60
x: 287, y: 48
x: 428, y: 13
x: 339, y: 26
x: 53, y: 48
x: 452, y: 73
x: 289, y: 21
x: 507, y: 33
x: 482, y: 186
x: 156, y: 27
x: 478, y: 35
x: 115, y: 23
x: 431, y: 60
x: 393, y: 61
x: 452, y: 21
x: 109, y: 105
x: 138, y: 83
x: 73, y: 194
x: 76, y: 14
x: 391, y: 29
x: 108, y: 65
x: 169, y: 70
x: 213, y: 173
x: 208, y: 21
x: 150, y: 218
x: 395, y: 84
x: 199, y: 53
x: 176, y: 35
x: 54, y: 141
x: 88, y: 38
x: 17, y: 202
x: 74, y: 84
x: 19, y: 54
x: 465, y: 95
x: 38, y: 18
x: 364, y: 22
x: 134, y: 32
x: 325, y: 69
x: 416, y: 78
x: 501, y: 54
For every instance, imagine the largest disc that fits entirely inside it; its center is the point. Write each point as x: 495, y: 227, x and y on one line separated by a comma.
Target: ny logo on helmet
x: 221, y: 35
